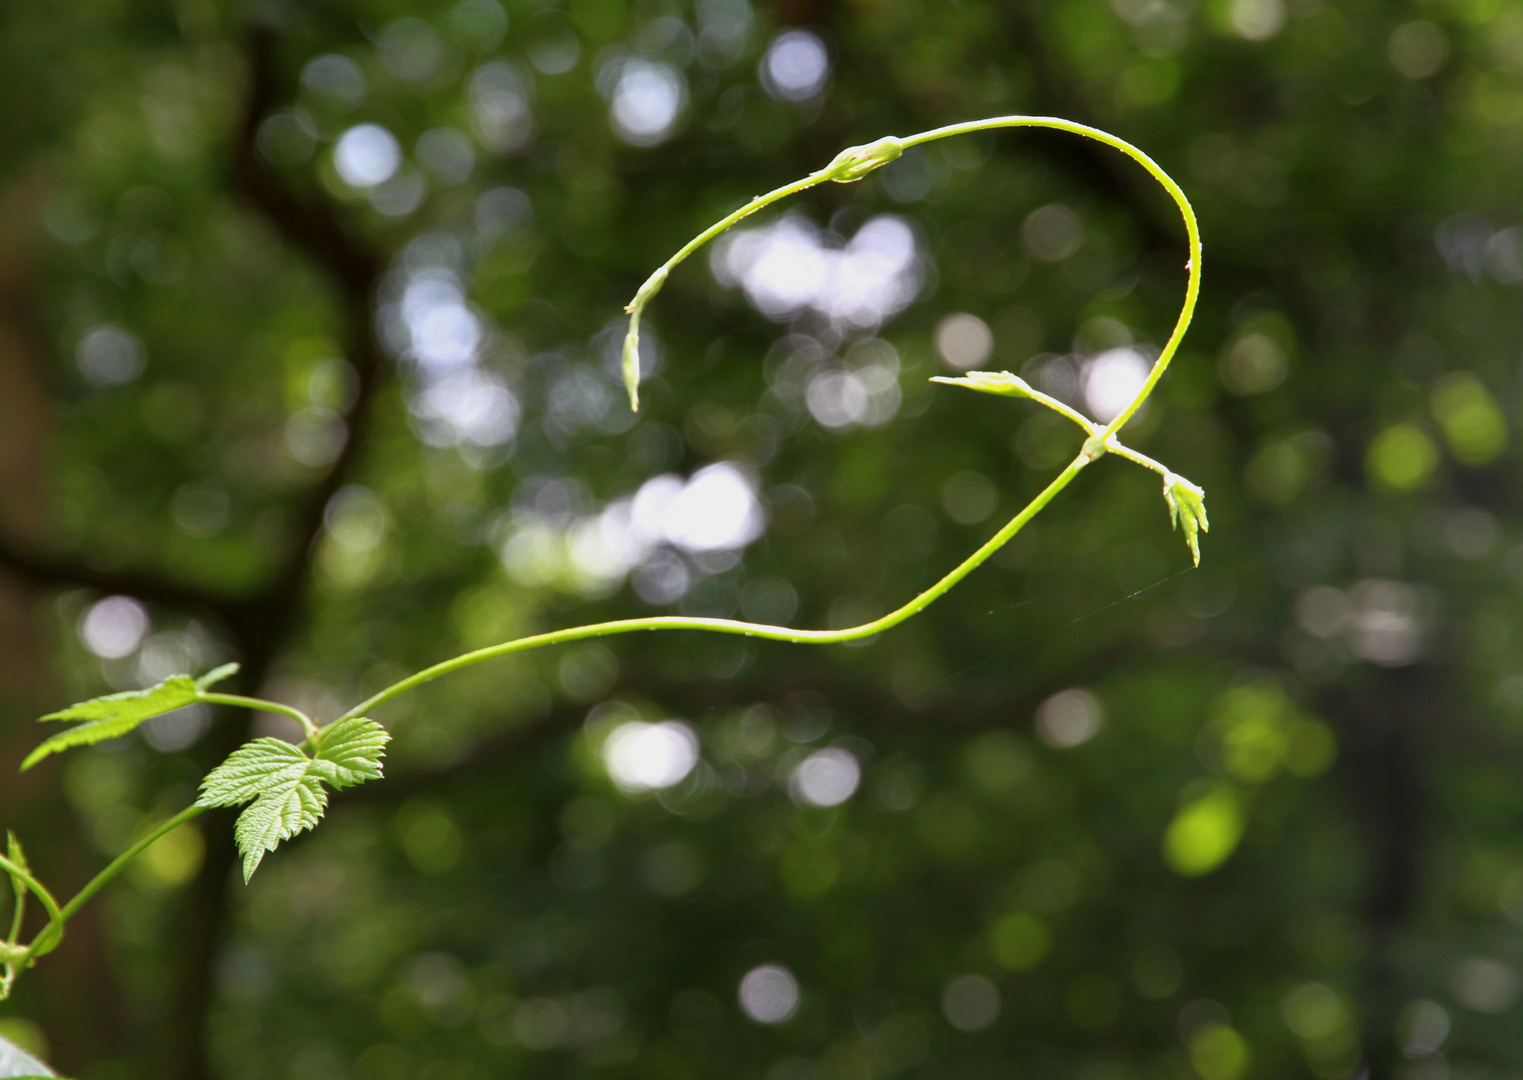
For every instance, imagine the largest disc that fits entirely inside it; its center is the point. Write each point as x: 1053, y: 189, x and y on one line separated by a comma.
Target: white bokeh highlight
x: 826, y: 778
x: 716, y: 512
x: 109, y: 356
x: 769, y: 994
x: 455, y: 401
x: 867, y: 395
x: 367, y: 156
x: 500, y: 111
x: 1111, y: 380
x: 643, y: 757
x: 790, y: 267
x: 964, y: 341
x: 648, y: 100
x: 795, y: 67
x: 466, y: 407
x: 1069, y: 718
x: 113, y: 628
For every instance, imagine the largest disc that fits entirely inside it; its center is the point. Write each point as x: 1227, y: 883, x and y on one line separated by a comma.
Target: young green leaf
x: 1187, y: 508
x: 286, y: 786
x: 1002, y: 383
x: 115, y: 715
x: 350, y: 752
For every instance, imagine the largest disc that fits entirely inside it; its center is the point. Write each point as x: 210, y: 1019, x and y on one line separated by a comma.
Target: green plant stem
x: 732, y: 626
x: 56, y: 918
x: 260, y: 705
x: 18, y: 917
x: 52, y: 935
x: 118, y: 864
x: 656, y: 280
x: 852, y: 165
x: 1192, y: 228
x: 18, y: 914
x: 1112, y: 444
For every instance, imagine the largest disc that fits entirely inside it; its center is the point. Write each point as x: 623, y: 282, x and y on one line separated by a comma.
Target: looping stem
x: 848, y: 166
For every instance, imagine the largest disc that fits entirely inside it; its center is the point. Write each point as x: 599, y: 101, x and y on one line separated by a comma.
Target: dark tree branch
x: 264, y: 623
x: 1385, y: 722
x: 43, y: 570
x: 313, y: 228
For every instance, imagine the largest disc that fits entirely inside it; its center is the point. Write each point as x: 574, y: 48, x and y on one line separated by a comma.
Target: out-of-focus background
x: 309, y: 316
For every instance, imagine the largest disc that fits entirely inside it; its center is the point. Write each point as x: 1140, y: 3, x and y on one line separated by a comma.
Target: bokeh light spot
x: 367, y: 155
x: 1204, y: 833
x: 114, y: 627
x: 650, y: 757
x: 826, y: 778
x: 769, y: 994
x: 1402, y: 458
x: 970, y: 1003
x: 964, y: 341
x: 1069, y: 718
x: 795, y: 66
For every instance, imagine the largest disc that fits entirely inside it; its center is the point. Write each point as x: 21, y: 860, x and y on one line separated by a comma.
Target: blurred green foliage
x: 1112, y: 817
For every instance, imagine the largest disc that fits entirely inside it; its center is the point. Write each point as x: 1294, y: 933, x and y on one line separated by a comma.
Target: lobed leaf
x: 115, y: 715
x: 1187, y: 509
x: 285, y: 786
x: 354, y: 749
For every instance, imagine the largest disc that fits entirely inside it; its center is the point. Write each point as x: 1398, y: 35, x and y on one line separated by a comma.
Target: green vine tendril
x: 283, y: 782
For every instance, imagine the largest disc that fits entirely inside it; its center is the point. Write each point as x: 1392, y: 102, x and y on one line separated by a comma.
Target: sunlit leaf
x: 285, y: 786
x: 351, y: 751
x: 1187, y: 510
x: 115, y: 715
x: 1002, y: 383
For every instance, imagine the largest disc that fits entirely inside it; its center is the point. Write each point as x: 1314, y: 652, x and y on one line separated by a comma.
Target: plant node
x: 855, y: 162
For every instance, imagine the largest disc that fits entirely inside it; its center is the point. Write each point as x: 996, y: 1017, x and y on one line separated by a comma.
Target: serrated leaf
x: 1002, y: 383
x: 354, y: 749
x: 290, y: 807
x: 115, y: 715
x: 286, y: 794
x: 285, y: 785
x: 249, y: 771
x: 1187, y: 510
